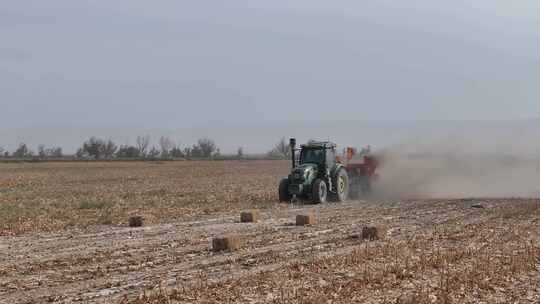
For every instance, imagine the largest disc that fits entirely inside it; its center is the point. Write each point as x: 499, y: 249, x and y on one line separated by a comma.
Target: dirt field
x: 55, y: 196
x: 64, y: 239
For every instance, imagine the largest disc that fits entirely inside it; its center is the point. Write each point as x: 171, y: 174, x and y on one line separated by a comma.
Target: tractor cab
x: 314, y: 156
x: 320, y: 153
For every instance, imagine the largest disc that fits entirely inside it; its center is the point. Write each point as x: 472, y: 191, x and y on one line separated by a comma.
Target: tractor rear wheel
x: 320, y: 191
x: 284, y: 195
x: 342, y: 186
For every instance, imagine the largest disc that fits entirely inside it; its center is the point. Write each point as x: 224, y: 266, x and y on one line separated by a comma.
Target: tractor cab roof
x: 318, y: 145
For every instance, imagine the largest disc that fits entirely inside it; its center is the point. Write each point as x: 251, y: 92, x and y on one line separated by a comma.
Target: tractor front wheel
x: 284, y: 195
x: 320, y: 191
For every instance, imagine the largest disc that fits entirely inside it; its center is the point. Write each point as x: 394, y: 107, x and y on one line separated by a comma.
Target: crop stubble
x: 442, y: 251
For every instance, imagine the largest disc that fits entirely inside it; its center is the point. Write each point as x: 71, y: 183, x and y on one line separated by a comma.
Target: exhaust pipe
x: 292, y: 145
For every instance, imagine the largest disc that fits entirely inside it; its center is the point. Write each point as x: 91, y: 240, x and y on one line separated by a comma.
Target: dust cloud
x: 460, y: 167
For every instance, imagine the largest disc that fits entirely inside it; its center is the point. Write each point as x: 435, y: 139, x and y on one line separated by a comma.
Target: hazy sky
x: 173, y: 65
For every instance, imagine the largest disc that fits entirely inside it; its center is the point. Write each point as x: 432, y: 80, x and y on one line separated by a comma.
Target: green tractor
x: 316, y: 175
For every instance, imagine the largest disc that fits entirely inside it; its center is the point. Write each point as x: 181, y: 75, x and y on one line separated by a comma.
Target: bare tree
x: 166, y: 146
x: 142, y: 144
x: 97, y: 148
x: 109, y: 148
x: 205, y: 147
x: 91, y: 148
x: 41, y: 151
x: 153, y: 153
x: 22, y: 151
x: 281, y: 149
x: 240, y: 152
x: 177, y: 151
x: 126, y: 151
x: 1, y: 152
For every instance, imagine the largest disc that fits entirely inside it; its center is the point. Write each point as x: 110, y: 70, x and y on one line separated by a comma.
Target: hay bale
x: 229, y: 243
x: 305, y: 219
x: 373, y: 233
x: 252, y: 216
x: 136, y: 221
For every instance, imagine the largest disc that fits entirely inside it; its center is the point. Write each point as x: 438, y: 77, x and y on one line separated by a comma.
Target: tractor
x: 319, y: 174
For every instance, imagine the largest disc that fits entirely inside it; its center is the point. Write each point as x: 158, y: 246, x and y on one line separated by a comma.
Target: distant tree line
x: 98, y: 148
x: 23, y: 151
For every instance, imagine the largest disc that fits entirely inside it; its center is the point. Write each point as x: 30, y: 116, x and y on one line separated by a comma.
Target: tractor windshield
x: 314, y: 156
